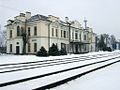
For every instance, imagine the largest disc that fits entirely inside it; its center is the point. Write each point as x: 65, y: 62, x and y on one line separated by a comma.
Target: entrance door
x: 17, y: 50
x: 76, y: 48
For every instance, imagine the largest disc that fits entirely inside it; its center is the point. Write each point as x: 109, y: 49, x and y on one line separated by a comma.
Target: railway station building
x: 40, y: 30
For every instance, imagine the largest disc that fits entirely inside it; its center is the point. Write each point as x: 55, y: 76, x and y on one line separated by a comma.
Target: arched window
x: 18, y: 31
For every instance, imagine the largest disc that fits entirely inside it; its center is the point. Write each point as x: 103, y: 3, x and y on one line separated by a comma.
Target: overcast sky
x: 102, y: 15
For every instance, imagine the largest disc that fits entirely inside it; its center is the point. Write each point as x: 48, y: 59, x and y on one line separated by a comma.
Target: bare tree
x: 25, y: 38
x: 2, y: 40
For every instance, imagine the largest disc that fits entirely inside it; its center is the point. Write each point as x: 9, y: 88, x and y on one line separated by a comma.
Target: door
x: 17, y: 50
x: 76, y: 48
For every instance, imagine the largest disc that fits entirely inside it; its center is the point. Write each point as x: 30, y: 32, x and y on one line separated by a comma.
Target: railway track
x: 65, y: 74
x: 5, y: 68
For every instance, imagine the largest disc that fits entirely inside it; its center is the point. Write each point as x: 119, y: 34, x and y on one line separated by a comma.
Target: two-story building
x: 42, y: 30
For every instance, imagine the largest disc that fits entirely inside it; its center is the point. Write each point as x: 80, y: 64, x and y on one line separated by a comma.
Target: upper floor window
x: 56, y: 32
x: 18, y: 31
x: 28, y: 31
x: 76, y: 35
x: 80, y: 36
x: 52, y: 31
x: 67, y: 34
x: 61, y: 33
x: 84, y: 37
x: 35, y: 30
x: 72, y: 35
x: 22, y: 31
x: 10, y: 33
x: 64, y: 34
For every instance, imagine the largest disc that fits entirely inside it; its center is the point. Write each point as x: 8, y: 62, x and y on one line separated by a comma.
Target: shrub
x: 63, y: 51
x: 109, y: 49
x: 42, y: 52
x: 53, y: 50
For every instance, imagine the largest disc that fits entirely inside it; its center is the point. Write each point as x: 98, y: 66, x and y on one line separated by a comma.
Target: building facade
x: 31, y: 32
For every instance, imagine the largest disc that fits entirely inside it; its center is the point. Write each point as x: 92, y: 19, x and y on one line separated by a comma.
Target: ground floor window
x: 63, y: 45
x: 10, y: 47
x: 35, y: 47
x: 85, y: 47
x: 29, y: 47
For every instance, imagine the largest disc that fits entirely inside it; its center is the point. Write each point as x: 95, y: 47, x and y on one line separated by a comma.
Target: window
x: 76, y: 36
x: 35, y: 30
x: 10, y: 47
x: 29, y: 47
x: 22, y: 31
x: 10, y: 33
x: 18, y: 31
x: 80, y: 36
x: 72, y: 35
x: 28, y: 31
x: 84, y: 37
x: 63, y: 45
x: 35, y: 47
x: 17, y: 43
x: 61, y: 33
x: 85, y: 47
x: 67, y: 34
x: 56, y: 32
x: 52, y: 31
x: 64, y: 34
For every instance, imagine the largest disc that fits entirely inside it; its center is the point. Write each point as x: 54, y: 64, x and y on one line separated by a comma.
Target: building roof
x: 37, y: 18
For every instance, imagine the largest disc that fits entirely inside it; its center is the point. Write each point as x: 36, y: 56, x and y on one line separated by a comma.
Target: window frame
x: 11, y: 47
x: 29, y: 48
x: 10, y: 33
x: 18, y: 30
x: 35, y: 47
x: 35, y: 30
x: 29, y: 34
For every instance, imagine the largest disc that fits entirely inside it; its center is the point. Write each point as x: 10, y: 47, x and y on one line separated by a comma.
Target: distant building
x: 44, y: 31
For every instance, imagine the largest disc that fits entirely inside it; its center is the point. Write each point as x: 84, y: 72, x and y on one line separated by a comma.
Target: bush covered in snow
x: 53, y: 50
x: 42, y: 52
x: 63, y: 51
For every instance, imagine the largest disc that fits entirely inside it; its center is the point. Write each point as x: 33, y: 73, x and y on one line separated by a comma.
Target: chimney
x: 22, y: 15
x: 66, y: 19
x: 28, y: 15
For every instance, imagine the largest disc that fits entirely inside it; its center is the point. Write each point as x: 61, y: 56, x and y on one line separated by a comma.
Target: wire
x: 11, y: 8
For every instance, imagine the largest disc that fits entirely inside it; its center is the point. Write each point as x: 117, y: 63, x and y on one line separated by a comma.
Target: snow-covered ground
x: 4, y: 59
x: 104, y: 79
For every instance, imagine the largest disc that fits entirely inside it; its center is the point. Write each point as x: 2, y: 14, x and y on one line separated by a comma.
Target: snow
x: 6, y: 77
x: 104, y: 79
x: 4, y: 59
x: 39, y: 71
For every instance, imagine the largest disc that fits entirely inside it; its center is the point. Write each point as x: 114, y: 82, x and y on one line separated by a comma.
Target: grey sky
x: 102, y: 15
